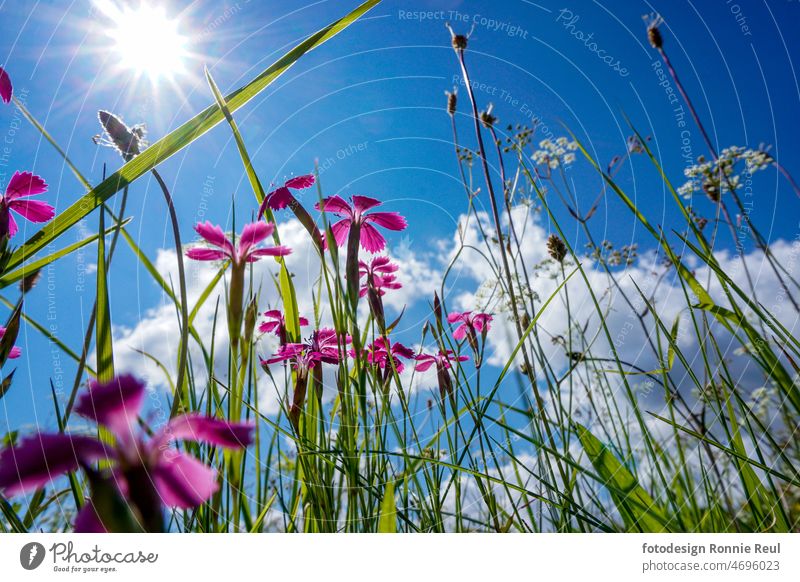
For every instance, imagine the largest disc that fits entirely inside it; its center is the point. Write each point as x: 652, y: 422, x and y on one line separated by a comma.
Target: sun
x: 147, y: 40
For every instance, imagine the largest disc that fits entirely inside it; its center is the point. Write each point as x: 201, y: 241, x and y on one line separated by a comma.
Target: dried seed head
x: 556, y: 248
x: 653, y: 34
x: 487, y: 119
x: 452, y: 101
x: 459, y: 41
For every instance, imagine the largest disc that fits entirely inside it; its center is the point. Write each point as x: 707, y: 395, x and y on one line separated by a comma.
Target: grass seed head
x: 556, y: 248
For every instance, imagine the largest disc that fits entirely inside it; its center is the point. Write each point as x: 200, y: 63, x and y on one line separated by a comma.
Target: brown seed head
x: 556, y: 248
x: 452, y: 101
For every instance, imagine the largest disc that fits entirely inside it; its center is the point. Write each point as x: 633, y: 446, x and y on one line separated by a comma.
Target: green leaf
x: 673, y: 334
x: 287, y: 289
x: 177, y: 140
x: 638, y: 509
x: 14, y: 276
x: 104, y: 345
x: 388, y: 519
x: 10, y: 334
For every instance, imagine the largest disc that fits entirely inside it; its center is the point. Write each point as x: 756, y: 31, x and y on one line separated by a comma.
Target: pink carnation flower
x: 16, y: 198
x: 472, y: 324
x: 178, y: 479
x: 379, y: 273
x: 244, y: 250
x: 281, y: 197
x: 371, y: 240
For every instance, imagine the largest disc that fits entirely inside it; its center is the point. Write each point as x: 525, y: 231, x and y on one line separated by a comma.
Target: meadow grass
x: 524, y: 445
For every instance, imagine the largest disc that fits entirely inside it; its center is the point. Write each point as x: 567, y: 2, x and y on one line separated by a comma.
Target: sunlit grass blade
x: 104, y: 340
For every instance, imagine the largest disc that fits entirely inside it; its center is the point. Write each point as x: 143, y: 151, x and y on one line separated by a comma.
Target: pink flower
x: 472, y: 324
x: 442, y: 359
x: 281, y: 197
x: 370, y: 238
x: 322, y: 346
x: 15, y: 351
x: 6, y: 90
x: 143, y: 469
x: 20, y: 187
x: 381, y: 350
x: 244, y: 250
x: 379, y: 273
x: 276, y: 323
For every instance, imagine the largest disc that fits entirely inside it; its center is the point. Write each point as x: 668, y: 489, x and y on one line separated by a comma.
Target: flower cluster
x: 555, y: 153
x: 714, y: 178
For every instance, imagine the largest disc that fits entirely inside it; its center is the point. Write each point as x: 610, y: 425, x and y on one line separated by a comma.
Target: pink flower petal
x: 6, y: 90
x: 423, y: 365
x: 114, y: 404
x: 340, y: 230
x: 371, y: 239
x: 454, y: 317
x: 33, y: 210
x: 87, y: 520
x: 280, y: 251
x: 460, y: 332
x: 269, y: 326
x: 12, y: 224
x: 336, y: 205
x: 364, y: 203
x: 183, y: 481
x: 303, y: 321
x: 278, y: 199
x: 200, y: 254
x: 300, y: 182
x: 390, y: 220
x: 196, y: 427
x: 40, y: 458
x: 252, y: 234
x: 214, y: 235
x: 24, y: 184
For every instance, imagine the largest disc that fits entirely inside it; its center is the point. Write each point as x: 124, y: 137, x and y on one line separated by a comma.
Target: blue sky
x: 369, y: 105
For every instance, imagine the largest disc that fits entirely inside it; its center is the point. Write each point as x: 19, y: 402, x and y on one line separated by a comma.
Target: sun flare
x: 147, y: 40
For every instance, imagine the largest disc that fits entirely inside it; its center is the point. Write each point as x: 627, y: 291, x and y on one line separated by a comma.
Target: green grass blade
x: 638, y: 509
x: 104, y: 344
x: 388, y: 519
x: 29, y: 268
